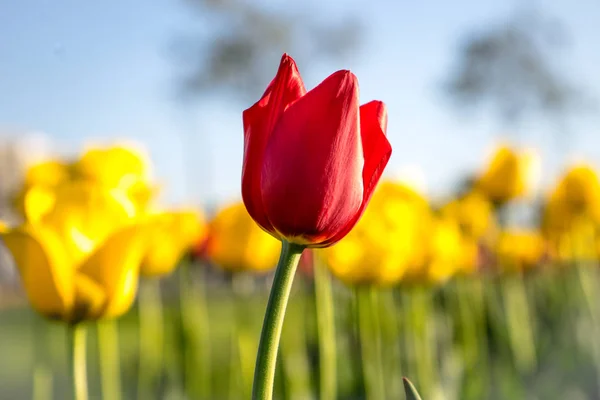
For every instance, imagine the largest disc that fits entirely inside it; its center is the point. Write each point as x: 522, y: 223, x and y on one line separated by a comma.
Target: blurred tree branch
x: 239, y: 50
x: 512, y: 67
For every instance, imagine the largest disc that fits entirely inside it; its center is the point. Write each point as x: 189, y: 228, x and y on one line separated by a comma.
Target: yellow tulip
x: 117, y: 167
x: 80, y: 260
x: 509, y: 175
x: 49, y: 173
x: 448, y: 252
x: 473, y: 212
x: 571, y: 213
x: 577, y: 194
x: 170, y: 235
x: 520, y: 249
x: 236, y: 243
x: 386, y: 242
x: 44, y: 177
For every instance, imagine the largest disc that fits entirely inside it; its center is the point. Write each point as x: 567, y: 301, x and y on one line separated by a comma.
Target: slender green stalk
x: 42, y: 382
x: 151, y: 337
x: 520, y: 329
x: 184, y: 327
x: 472, y: 333
x: 326, y: 332
x: 375, y: 310
x: 266, y: 359
x: 42, y: 373
x: 423, y: 332
x: 243, y: 338
x: 588, y: 280
x: 370, y: 342
x: 110, y: 364
x: 235, y: 371
x: 195, y: 335
x: 76, y: 346
x: 390, y: 318
x: 294, y: 354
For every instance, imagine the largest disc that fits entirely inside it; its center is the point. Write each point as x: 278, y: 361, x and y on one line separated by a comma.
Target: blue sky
x: 100, y: 70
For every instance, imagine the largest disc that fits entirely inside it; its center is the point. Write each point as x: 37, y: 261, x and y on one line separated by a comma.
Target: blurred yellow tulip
x: 117, y: 167
x: 49, y: 173
x: 572, y: 213
x: 519, y: 249
x: 577, y: 194
x: 80, y: 259
x: 446, y: 251
x: 236, y: 243
x: 169, y: 235
x: 44, y: 177
x: 386, y: 242
x: 473, y: 212
x: 509, y: 175
x: 449, y: 252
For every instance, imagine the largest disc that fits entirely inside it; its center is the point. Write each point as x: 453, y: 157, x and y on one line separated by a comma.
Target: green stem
x: 519, y: 321
x: 369, y: 327
x: 470, y: 315
x: 391, y: 342
x: 235, y: 386
x: 588, y: 280
x: 184, y: 327
x: 266, y: 359
x: 295, y: 369
x: 195, y: 334
x: 42, y: 373
x: 326, y: 333
x: 77, y: 360
x: 423, y: 331
x: 110, y: 366
x: 151, y: 332
x: 243, y: 338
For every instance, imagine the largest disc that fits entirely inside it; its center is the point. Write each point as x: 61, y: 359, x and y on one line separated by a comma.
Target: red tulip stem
x: 266, y: 359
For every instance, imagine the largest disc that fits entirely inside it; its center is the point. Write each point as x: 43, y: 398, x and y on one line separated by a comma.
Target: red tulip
x: 312, y: 159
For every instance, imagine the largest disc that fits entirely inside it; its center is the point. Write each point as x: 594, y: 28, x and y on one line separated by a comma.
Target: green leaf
x: 409, y: 389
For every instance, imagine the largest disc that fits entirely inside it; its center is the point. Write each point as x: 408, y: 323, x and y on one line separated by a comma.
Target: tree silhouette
x: 513, y: 68
x: 242, y: 42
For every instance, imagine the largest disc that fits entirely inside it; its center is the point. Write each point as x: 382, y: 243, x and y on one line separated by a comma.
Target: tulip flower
x: 577, y: 194
x: 520, y: 249
x: 312, y: 159
x: 571, y: 212
x: 80, y: 261
x: 170, y: 235
x: 236, y: 243
x: 311, y: 163
x: 117, y: 167
x: 509, y: 175
x: 474, y: 213
x: 449, y: 252
x: 44, y: 177
x: 48, y: 173
x: 113, y: 167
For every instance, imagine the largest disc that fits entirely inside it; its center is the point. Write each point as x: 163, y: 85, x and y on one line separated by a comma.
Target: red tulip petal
x: 376, y: 147
x: 259, y: 121
x: 312, y: 171
x: 377, y: 152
